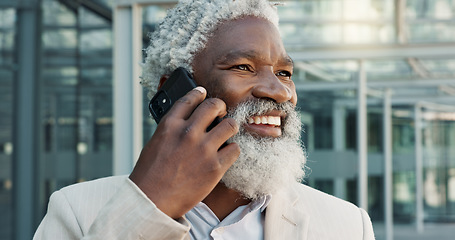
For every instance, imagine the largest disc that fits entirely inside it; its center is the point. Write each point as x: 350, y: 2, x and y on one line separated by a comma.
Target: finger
x: 228, y: 155
x: 186, y: 104
x: 206, y: 113
x: 222, y: 132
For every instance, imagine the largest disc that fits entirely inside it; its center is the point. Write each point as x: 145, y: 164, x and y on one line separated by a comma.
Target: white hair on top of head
x: 185, y: 30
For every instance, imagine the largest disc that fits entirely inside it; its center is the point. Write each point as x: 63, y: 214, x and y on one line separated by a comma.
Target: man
x: 185, y: 185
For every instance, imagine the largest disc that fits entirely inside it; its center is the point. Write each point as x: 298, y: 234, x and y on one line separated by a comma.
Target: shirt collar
x: 261, y: 203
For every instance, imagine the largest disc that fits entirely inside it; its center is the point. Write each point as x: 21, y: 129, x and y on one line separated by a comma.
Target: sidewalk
x: 431, y: 231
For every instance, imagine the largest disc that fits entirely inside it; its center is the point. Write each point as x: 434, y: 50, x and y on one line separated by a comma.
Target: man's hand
x: 182, y: 163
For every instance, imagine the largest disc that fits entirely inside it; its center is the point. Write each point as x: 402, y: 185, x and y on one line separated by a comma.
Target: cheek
x: 231, y: 95
x: 215, y: 84
x: 215, y: 87
x: 230, y: 89
x: 209, y: 81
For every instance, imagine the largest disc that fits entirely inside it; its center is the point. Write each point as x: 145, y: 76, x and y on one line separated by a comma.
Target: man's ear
x: 163, y: 79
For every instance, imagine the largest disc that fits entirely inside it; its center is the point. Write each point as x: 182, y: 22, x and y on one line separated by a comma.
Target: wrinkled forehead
x: 229, y: 28
x: 247, y: 35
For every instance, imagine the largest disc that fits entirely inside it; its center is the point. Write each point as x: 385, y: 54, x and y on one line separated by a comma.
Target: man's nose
x: 269, y: 86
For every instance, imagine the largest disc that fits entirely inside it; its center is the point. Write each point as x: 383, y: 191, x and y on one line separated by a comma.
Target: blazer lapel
x: 283, y: 220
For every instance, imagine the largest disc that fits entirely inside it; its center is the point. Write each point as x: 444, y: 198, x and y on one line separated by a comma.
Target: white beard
x: 265, y: 164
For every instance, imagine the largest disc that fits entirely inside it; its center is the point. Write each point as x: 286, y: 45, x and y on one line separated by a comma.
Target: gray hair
x: 186, y: 29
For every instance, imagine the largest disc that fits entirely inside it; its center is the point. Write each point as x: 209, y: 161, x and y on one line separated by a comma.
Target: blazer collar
x: 283, y: 219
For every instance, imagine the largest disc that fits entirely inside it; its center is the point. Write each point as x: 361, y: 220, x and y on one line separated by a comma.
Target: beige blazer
x: 114, y: 208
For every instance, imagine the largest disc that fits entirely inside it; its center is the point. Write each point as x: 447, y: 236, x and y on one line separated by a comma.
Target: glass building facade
x: 375, y: 80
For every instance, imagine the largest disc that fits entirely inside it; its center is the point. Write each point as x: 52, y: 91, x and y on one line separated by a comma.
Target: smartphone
x: 179, y: 83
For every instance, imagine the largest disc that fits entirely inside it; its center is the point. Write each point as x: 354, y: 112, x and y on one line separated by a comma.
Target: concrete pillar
x: 127, y: 90
x: 25, y: 130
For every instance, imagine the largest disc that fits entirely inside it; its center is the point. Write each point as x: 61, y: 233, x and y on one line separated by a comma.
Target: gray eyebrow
x: 250, y: 54
x: 234, y: 55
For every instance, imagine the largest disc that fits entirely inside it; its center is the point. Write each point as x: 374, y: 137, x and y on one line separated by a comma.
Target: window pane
x: 332, y: 71
x: 435, y: 9
x: 431, y: 32
x: 388, y: 69
x: 303, y: 34
x: 63, y: 38
x: 368, y: 33
x: 439, y: 67
x: 322, y: 9
x: 57, y: 14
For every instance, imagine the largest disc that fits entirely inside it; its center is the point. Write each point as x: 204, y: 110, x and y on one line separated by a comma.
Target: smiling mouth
x: 265, y: 120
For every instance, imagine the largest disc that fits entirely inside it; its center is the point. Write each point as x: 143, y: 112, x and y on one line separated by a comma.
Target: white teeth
x: 257, y: 120
x: 270, y: 120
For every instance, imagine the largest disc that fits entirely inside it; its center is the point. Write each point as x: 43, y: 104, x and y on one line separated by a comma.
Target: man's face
x: 245, y: 65
x: 245, y: 59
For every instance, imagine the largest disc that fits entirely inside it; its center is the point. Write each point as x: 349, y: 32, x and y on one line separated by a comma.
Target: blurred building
x: 375, y: 79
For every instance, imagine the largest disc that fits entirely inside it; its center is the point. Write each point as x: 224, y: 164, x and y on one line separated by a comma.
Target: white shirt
x: 245, y: 222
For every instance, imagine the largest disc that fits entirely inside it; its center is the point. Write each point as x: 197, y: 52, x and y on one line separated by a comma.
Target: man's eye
x: 242, y: 67
x: 284, y: 74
